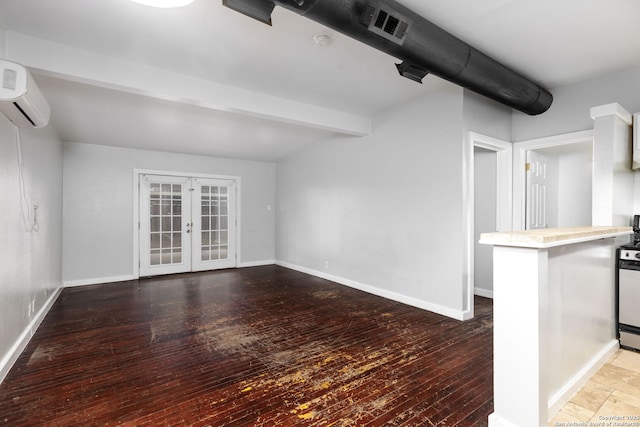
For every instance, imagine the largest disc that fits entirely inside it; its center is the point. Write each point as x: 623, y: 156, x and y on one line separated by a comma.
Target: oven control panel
x: 630, y: 254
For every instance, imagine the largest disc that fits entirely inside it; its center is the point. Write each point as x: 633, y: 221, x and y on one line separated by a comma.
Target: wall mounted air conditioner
x: 20, y: 99
x: 635, y: 164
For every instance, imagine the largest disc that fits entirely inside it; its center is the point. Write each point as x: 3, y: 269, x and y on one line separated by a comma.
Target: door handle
x: 189, y: 224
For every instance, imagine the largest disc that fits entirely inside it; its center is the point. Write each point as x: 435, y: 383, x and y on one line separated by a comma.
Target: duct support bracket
x: 256, y: 9
x: 411, y: 71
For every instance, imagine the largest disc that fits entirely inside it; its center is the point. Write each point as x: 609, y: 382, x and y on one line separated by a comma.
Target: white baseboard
x: 124, y: 278
x: 425, y: 305
x: 483, y: 292
x: 558, y: 400
x: 85, y: 282
x: 256, y: 263
x: 496, y: 421
x: 21, y: 343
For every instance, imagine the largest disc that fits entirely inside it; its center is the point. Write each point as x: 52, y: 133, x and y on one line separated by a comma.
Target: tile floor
x: 610, y: 398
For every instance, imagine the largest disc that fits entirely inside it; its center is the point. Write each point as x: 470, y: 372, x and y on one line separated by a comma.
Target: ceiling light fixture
x: 164, y: 3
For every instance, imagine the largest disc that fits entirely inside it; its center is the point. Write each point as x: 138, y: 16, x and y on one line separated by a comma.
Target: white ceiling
x: 204, y: 79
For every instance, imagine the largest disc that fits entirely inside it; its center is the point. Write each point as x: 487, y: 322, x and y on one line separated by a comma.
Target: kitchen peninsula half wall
x: 554, y: 317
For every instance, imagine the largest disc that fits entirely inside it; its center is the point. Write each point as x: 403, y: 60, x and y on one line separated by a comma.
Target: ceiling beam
x: 83, y: 66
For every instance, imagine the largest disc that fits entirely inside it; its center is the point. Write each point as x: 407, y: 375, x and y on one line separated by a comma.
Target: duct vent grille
x: 392, y: 25
x: 389, y: 24
x: 382, y: 16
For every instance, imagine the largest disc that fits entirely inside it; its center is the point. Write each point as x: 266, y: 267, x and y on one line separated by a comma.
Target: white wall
x: 98, y: 206
x: 3, y: 40
x: 574, y: 193
x: 486, y: 117
x: 385, y: 211
x: 570, y: 111
x: 30, y: 261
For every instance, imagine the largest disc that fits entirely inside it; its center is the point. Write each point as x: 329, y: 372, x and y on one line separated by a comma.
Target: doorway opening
x: 485, y: 163
x: 487, y: 201
x: 567, y: 197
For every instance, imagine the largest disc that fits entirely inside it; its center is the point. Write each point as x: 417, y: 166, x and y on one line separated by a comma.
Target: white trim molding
x: 21, y: 343
x: 256, y: 263
x: 614, y: 109
x: 128, y: 277
x: 414, y: 302
x: 99, y: 281
x: 485, y: 293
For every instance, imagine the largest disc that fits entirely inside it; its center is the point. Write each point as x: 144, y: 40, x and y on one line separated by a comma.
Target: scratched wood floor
x: 263, y: 346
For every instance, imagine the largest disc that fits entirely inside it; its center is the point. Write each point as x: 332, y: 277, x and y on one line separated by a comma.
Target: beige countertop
x: 550, y: 237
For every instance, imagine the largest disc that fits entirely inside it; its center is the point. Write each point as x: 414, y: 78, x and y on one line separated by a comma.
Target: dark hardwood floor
x: 263, y: 346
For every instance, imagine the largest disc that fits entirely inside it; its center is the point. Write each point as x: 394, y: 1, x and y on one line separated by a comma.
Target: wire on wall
x: 29, y: 224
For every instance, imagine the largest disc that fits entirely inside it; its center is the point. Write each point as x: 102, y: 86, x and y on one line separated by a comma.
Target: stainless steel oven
x: 629, y: 297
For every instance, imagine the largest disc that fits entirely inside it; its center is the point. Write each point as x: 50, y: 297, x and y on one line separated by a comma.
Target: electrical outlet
x: 326, y: 265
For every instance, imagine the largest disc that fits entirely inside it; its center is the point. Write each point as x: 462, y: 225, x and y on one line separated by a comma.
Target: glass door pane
x: 214, y: 218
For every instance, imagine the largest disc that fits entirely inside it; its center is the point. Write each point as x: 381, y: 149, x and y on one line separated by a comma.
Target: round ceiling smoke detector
x: 322, y: 39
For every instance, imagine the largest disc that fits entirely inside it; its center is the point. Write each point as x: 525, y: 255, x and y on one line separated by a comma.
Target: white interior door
x: 214, y: 224
x: 186, y: 224
x: 536, y: 216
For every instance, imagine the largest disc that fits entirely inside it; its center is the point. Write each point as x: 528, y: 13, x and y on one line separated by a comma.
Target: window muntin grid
x: 165, y: 231
x: 214, y: 215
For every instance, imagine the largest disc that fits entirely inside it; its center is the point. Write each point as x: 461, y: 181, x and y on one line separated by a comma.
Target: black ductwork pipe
x: 422, y: 46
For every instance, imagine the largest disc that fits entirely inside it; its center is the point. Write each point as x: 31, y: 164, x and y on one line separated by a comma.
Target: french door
x: 186, y: 224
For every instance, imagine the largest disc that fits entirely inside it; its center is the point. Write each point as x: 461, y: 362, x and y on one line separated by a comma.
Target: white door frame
x: 503, y: 151
x: 520, y: 159
x: 136, y: 209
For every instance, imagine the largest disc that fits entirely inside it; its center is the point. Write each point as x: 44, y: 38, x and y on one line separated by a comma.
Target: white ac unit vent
x: 20, y: 99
